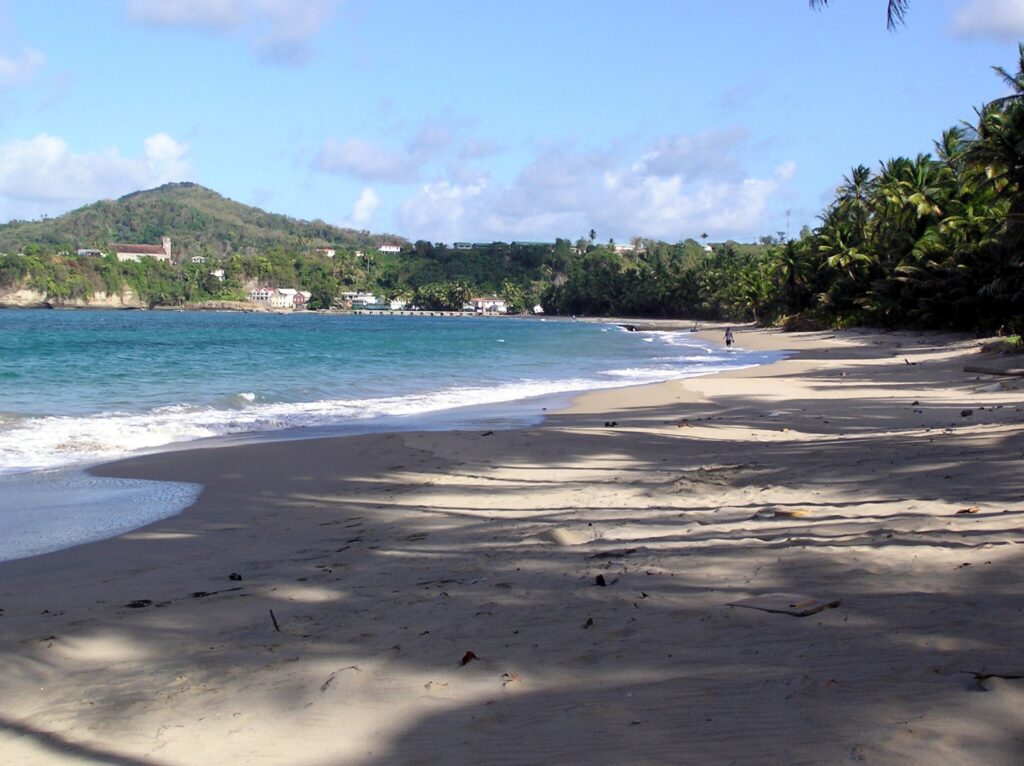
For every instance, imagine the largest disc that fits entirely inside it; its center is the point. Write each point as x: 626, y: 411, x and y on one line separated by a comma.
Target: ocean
x: 82, y: 387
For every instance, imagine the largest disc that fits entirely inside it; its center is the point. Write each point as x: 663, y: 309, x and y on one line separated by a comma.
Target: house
x: 630, y: 249
x: 129, y: 252
x: 397, y: 304
x: 462, y: 245
x: 84, y: 252
x: 492, y: 305
x: 389, y: 248
x: 359, y: 300
x: 279, y: 297
x: 283, y: 298
x: 261, y: 294
x: 197, y: 259
x: 218, y: 273
x: 329, y: 252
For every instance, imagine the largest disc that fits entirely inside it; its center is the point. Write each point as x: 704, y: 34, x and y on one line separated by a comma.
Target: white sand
x: 838, y: 474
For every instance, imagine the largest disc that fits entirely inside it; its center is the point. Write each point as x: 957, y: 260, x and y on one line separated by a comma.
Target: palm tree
x: 894, y: 14
x: 789, y: 264
x: 1014, y: 81
x: 853, y: 199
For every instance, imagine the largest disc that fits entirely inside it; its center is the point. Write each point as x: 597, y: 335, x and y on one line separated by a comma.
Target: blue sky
x: 472, y: 120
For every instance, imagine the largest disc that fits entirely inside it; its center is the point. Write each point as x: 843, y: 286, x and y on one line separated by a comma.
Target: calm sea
x: 81, y: 387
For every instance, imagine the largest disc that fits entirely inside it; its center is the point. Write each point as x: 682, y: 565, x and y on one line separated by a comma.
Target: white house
x: 197, y: 259
x: 359, y: 299
x: 261, y: 294
x: 363, y: 299
x: 218, y: 273
x: 397, y: 304
x: 628, y: 249
x: 87, y: 252
x: 492, y: 305
x: 283, y: 298
x: 127, y: 252
x: 390, y: 249
x: 330, y: 252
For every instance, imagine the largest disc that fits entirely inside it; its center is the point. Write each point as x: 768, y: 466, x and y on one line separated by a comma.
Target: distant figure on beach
x: 728, y: 337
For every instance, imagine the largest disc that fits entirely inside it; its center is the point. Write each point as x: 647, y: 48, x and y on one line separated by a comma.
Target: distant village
x: 287, y: 298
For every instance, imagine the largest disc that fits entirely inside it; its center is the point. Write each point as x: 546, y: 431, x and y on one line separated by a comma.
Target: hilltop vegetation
x: 200, y: 221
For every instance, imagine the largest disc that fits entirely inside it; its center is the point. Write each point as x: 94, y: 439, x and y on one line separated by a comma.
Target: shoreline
x: 388, y: 559
x: 531, y: 397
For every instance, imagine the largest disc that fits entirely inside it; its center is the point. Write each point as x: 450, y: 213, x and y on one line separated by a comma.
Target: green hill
x: 199, y: 222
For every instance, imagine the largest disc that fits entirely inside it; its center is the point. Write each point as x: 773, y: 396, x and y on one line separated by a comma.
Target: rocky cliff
x: 23, y: 297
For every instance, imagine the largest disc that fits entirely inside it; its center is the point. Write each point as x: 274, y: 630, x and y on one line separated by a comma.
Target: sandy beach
x: 561, y: 595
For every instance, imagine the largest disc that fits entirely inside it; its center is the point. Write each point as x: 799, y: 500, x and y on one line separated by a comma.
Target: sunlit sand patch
x: 158, y: 535
x: 567, y: 537
x: 306, y: 594
x: 103, y: 647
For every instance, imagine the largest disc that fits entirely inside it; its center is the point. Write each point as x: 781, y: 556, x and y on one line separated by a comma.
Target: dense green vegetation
x: 936, y: 240
x: 200, y: 221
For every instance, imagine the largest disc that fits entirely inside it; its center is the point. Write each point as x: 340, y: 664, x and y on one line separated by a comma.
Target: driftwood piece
x: 1014, y: 372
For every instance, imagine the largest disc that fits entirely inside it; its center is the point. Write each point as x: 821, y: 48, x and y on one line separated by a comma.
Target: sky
x: 481, y: 120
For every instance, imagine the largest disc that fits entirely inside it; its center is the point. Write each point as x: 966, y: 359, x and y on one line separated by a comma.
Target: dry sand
x: 843, y: 473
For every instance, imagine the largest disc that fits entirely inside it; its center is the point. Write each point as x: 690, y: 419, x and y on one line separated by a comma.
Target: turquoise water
x: 79, y: 387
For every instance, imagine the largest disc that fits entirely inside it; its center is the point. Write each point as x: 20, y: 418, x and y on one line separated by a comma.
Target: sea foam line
x: 46, y: 442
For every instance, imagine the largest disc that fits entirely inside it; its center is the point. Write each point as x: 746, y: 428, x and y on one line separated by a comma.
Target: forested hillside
x: 200, y: 221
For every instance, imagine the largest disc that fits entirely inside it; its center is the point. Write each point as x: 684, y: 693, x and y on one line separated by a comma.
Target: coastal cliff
x: 24, y: 297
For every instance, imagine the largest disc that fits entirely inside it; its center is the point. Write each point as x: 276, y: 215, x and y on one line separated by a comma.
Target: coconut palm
x: 894, y: 14
x: 853, y: 197
x: 1014, y: 81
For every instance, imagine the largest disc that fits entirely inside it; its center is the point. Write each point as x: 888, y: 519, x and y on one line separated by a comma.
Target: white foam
x: 47, y: 442
x: 50, y: 510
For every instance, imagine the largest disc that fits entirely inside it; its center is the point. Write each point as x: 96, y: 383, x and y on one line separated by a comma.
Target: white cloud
x: 1001, y: 20
x: 200, y: 14
x: 167, y: 158
x: 21, y: 68
x: 672, y: 188
x: 42, y: 174
x: 365, y: 207
x: 371, y: 161
x: 438, y: 210
x: 280, y: 31
x: 786, y: 171
x: 366, y: 160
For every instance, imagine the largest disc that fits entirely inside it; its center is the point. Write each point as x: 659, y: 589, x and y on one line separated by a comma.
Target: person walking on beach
x: 728, y: 337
